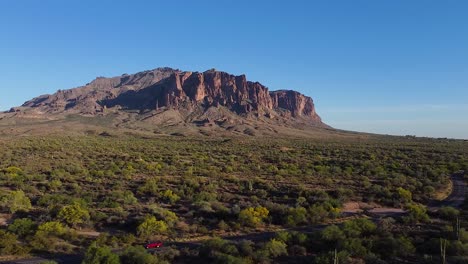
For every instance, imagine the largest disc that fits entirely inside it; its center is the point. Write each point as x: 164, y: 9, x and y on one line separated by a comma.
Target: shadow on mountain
x: 142, y: 99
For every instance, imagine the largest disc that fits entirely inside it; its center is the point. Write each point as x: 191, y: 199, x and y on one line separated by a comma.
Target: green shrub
x: 253, y: 216
x: 74, y: 214
x: 151, y: 226
x: 276, y: 248
x: 16, y: 201
x: 100, y: 255
x: 9, y: 244
x: 137, y: 255
x: 22, y: 227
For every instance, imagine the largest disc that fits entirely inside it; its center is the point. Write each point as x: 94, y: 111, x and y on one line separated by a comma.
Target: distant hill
x: 165, y: 100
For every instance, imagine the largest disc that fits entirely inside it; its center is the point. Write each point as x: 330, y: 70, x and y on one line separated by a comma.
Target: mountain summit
x: 166, y: 96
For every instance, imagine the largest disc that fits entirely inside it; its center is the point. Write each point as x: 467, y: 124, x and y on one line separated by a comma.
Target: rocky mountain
x: 166, y: 96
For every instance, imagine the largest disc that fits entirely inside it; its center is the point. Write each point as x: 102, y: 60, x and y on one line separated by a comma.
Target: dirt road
x: 456, y: 197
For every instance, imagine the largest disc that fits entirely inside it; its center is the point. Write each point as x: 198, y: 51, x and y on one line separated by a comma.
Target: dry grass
x: 166, y: 123
x: 443, y: 193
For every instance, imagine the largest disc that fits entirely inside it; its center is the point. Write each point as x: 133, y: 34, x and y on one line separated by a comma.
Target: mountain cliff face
x: 193, y: 95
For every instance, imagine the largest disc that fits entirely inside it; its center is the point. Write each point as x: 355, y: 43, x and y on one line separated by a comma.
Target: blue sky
x: 391, y: 67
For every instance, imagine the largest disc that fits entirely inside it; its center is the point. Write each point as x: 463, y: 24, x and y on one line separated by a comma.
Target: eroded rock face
x: 214, y: 88
x: 298, y: 104
x: 166, y: 88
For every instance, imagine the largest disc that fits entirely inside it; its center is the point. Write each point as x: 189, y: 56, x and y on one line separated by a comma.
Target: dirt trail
x: 456, y: 197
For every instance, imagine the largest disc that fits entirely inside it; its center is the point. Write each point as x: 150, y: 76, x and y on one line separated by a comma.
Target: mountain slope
x: 167, y: 97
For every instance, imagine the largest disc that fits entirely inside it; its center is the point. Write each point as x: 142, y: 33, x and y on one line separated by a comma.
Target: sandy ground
x: 4, y: 220
x: 89, y: 233
x: 356, y: 207
x: 359, y: 207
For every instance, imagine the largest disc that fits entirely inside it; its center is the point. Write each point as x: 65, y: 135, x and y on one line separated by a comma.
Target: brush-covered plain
x: 105, y: 195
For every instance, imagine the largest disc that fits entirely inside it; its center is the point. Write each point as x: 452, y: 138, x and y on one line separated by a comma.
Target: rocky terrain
x: 166, y: 97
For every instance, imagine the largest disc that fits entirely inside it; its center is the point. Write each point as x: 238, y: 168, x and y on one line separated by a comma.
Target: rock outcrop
x: 165, y: 88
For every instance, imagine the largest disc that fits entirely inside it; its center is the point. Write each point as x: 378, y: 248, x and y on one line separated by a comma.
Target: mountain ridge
x: 209, y: 98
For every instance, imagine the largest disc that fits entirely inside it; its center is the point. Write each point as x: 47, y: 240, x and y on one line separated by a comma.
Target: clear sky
x: 391, y: 67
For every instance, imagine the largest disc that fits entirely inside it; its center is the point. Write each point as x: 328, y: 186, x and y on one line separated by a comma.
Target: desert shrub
x: 359, y: 227
x: 276, y: 248
x: 129, y: 198
x: 405, y: 196
x: 74, y: 214
x: 100, y: 255
x: 9, y: 244
x: 170, y: 196
x: 211, y: 247
x: 52, y: 228
x: 416, y: 213
x: 296, y: 216
x: 246, y: 248
x: 253, y: 216
x: 448, y: 213
x: 16, y: 201
x: 165, y: 214
x: 151, y: 226
x: 137, y: 255
x: 329, y: 257
x: 23, y: 227
x: 149, y: 187
x: 332, y: 234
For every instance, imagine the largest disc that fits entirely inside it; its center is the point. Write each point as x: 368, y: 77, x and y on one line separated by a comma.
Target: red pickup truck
x: 153, y: 245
